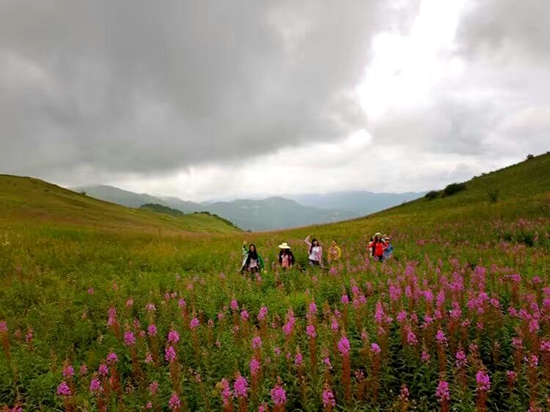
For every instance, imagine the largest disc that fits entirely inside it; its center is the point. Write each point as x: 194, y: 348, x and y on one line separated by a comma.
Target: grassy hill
x: 469, y: 277
x: 36, y: 203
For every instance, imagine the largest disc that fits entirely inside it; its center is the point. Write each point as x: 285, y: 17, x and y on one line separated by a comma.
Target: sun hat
x: 378, y: 234
x: 284, y: 245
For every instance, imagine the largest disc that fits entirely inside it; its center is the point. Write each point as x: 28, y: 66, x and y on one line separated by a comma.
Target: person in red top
x: 377, y: 247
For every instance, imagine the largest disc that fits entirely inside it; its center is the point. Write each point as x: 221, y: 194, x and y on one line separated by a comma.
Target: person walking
x: 252, y: 261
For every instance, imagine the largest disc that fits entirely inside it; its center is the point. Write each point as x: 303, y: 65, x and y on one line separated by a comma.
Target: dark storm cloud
x: 148, y: 87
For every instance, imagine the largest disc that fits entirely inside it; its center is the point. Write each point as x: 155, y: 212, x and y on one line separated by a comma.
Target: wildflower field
x: 100, y: 319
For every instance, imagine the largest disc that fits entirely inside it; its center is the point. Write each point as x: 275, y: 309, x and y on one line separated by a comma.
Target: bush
x: 530, y: 156
x: 454, y: 188
x: 493, y: 195
x: 432, y: 195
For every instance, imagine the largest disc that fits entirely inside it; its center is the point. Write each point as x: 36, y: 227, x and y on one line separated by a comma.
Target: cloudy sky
x: 206, y: 99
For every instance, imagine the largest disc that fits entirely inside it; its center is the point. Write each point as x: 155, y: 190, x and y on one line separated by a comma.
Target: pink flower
x: 95, y: 386
x: 103, y: 370
x: 244, y: 315
x: 174, y: 403
x: 63, y: 390
x: 129, y: 303
x: 345, y: 299
x: 545, y: 346
x: 150, y: 307
x: 411, y: 338
x: 234, y: 305
x: 425, y: 357
x: 91, y: 291
x: 461, y: 361
x: 328, y: 398
x: 129, y: 338
x: 3, y: 327
x: 256, y: 342
x: 442, y: 391
x: 83, y: 369
x: 440, y: 337
x: 181, y: 303
x: 240, y: 387
x: 152, y: 330
x: 277, y: 351
x: 278, y: 395
x: 262, y: 313
x: 512, y: 375
x: 298, y: 359
x: 68, y: 371
x: 153, y: 387
x: 170, y: 354
x: 149, y: 405
x: 112, y: 358
x: 310, y: 331
x: 173, y: 336
x: 375, y: 348
x: 483, y: 381
x: 226, y: 391
x: 254, y: 366
x: 334, y: 325
x: 312, y: 309
x: 194, y: 324
x: 326, y: 362
x: 344, y: 346
x: 402, y: 316
x: 404, y: 395
x: 148, y: 358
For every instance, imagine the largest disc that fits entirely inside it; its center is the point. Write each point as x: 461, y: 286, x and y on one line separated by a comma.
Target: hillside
x: 468, y: 277
x: 32, y: 202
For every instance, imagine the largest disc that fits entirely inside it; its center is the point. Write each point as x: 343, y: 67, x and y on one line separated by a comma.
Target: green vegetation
x: 155, y: 207
x: 81, y: 280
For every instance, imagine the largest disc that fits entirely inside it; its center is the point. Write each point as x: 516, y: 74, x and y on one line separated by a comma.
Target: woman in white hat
x: 286, y: 258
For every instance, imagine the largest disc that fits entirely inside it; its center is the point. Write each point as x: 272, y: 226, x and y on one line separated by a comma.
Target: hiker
x: 315, y: 252
x: 388, y: 252
x: 252, y: 261
x: 286, y: 258
x: 378, y: 246
x: 334, y: 252
x: 370, y: 248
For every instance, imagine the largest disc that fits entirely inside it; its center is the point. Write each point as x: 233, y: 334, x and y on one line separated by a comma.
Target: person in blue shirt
x: 388, y: 251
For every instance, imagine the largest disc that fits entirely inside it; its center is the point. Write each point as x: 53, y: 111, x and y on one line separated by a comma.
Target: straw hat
x: 284, y: 245
x: 378, y: 234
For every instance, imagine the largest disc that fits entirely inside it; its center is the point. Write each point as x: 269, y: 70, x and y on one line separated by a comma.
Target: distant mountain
x: 135, y: 200
x: 270, y: 213
x: 359, y: 203
x: 274, y: 213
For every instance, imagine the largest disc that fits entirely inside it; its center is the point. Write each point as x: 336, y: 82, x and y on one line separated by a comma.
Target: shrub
x: 432, y: 195
x: 454, y: 188
x: 493, y: 195
x: 530, y: 156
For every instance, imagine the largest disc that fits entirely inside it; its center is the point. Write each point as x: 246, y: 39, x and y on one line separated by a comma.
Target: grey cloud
x: 148, y: 87
x: 508, y: 27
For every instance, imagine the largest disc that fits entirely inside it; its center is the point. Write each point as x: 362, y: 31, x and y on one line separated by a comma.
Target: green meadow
x: 106, y: 308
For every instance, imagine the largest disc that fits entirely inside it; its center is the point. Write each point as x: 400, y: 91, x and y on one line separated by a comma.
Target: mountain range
x: 269, y: 213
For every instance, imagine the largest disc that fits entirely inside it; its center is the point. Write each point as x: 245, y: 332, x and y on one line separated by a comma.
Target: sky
x: 217, y: 99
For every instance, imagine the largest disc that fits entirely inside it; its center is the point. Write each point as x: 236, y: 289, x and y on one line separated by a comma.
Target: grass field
x: 108, y: 308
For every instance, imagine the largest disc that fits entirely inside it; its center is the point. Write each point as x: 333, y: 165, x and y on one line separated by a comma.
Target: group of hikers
x: 379, y: 248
